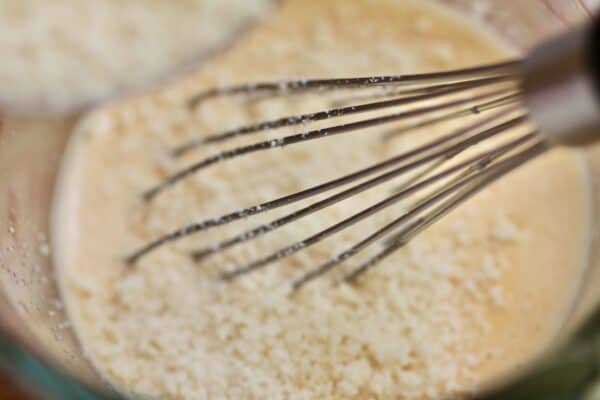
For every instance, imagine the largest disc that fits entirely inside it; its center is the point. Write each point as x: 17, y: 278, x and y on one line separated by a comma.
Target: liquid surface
x: 476, y: 295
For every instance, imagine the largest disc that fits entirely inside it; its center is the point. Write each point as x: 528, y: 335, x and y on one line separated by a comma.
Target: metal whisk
x: 553, y: 93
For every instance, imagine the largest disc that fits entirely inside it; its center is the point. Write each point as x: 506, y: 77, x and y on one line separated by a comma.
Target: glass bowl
x: 38, y: 348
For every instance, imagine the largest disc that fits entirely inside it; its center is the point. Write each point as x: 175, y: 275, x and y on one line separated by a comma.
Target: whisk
x: 553, y: 94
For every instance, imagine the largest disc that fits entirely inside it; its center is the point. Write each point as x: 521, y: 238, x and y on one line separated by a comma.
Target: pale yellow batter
x: 477, y: 295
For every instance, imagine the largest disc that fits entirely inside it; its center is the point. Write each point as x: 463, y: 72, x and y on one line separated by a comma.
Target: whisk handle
x: 562, y: 86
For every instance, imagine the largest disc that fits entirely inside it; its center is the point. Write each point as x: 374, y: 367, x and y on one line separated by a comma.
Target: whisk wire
x: 352, y: 220
x: 405, y: 235
x: 473, y: 165
x: 429, y: 99
x: 319, y: 133
x: 444, y: 153
x: 429, y: 92
x: 288, y: 87
x: 318, y: 189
